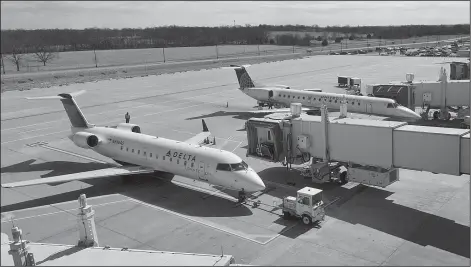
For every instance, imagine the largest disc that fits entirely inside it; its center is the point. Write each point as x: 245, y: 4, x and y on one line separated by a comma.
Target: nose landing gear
x: 242, y: 196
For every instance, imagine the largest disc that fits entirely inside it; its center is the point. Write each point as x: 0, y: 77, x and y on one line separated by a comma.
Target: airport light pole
x: 163, y: 52
x: 217, y: 52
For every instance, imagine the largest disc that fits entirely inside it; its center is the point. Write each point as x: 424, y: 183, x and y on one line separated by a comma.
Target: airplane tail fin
x: 76, y: 117
x: 243, y: 77
x: 205, y: 127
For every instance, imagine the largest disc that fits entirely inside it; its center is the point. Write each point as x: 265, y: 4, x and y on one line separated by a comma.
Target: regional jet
x: 139, y: 153
x: 309, y: 98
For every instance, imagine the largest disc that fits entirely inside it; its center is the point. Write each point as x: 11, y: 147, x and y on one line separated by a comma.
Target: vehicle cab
x: 308, y: 205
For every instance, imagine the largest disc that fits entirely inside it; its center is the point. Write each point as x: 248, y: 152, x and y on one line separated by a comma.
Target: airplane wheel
x: 343, y: 177
x: 307, y: 220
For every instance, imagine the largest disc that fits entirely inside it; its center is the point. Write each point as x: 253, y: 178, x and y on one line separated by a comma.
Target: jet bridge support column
x: 19, y: 249
x: 86, y: 224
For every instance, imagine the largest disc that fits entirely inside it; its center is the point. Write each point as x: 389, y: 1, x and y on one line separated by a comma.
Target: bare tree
x: 3, y: 65
x: 44, y: 55
x: 16, y: 57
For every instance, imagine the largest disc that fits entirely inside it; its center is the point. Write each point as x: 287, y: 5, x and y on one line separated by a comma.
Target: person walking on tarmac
x: 127, y: 117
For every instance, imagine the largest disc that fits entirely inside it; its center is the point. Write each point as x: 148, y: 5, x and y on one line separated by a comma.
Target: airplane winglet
x: 205, y: 127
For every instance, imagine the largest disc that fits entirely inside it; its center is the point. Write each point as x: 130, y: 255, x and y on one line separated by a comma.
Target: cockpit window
x: 223, y: 167
x: 392, y: 105
x: 242, y: 166
x: 245, y: 164
x: 237, y: 167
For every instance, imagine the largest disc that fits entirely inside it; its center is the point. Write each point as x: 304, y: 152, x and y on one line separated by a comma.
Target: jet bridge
x: 369, y: 150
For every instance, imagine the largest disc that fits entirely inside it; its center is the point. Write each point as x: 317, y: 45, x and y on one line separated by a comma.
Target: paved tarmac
x: 423, y: 219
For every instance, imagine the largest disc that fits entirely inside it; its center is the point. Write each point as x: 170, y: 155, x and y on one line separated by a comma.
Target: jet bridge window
x: 223, y: 167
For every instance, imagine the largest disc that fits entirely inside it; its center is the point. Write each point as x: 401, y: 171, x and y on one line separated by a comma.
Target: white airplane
x: 140, y: 153
x: 279, y: 95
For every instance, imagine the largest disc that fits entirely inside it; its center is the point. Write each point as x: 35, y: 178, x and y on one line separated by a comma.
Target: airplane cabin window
x: 121, y: 147
x: 132, y: 150
x: 304, y: 97
x: 335, y: 101
x: 299, y: 97
x: 163, y: 157
x: 178, y: 161
x: 184, y: 163
x: 223, y: 167
x: 150, y: 155
x: 144, y: 153
x: 279, y: 95
x: 358, y: 103
x: 138, y: 151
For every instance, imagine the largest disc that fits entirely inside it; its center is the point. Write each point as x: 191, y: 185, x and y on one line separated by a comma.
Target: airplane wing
x: 279, y: 110
x: 109, y: 172
x: 200, y: 138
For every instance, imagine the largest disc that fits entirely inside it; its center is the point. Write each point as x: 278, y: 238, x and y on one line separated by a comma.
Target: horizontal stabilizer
x: 109, y: 172
x: 60, y: 96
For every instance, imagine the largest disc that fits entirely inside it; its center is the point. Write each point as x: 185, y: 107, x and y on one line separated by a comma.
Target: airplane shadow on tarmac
x: 370, y: 207
x: 154, y: 189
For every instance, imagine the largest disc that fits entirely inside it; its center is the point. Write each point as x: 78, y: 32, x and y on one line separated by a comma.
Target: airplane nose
x: 409, y: 113
x: 252, y: 182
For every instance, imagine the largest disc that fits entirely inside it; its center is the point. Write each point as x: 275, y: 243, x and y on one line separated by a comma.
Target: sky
x: 135, y: 14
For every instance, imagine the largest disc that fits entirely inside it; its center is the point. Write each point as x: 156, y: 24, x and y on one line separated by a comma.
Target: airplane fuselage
x: 179, y: 158
x: 355, y: 104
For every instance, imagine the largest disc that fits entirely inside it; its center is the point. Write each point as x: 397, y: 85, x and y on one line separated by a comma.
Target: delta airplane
x: 139, y: 153
x: 310, y: 98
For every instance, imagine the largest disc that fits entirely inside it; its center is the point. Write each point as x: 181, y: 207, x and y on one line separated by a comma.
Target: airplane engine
x: 129, y: 127
x: 85, y: 140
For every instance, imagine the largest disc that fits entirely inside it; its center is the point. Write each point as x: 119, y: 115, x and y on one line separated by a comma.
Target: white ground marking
x: 114, y: 110
x: 61, y: 211
x: 108, y: 121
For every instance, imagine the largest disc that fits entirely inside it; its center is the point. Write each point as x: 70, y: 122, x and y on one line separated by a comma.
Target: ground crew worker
x: 127, y: 117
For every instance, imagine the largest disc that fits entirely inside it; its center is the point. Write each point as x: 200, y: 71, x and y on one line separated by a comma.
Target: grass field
x: 107, y: 58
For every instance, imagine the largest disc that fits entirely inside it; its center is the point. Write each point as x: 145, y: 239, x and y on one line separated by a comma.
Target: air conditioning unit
x: 303, y: 142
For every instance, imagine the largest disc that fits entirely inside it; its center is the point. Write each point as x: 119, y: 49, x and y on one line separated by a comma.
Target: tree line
x: 61, y: 40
